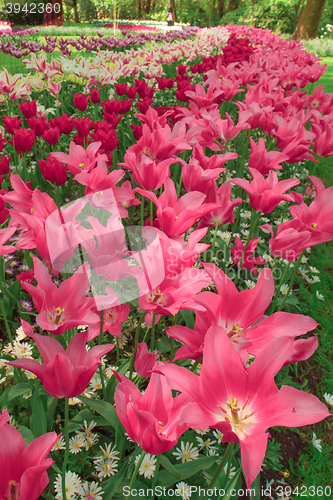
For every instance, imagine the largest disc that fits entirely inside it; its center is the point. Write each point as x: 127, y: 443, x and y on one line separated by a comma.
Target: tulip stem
x: 254, y: 223
x: 4, y: 316
x: 142, y: 207
x: 100, y: 338
x: 280, y: 284
x: 152, y: 339
x: 293, y: 276
x: 226, y: 457
x: 214, y: 239
x: 64, y: 467
x: 135, y: 472
x: 157, y: 466
x: 196, y: 364
x: 136, y: 341
x: 151, y: 213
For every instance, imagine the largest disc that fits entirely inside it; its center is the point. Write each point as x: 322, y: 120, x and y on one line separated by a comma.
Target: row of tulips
x: 110, y: 262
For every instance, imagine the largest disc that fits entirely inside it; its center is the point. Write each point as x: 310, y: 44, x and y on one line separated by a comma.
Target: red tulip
x: 94, y: 95
x: 11, y: 123
x: 51, y: 136
x: 23, y: 140
x: 38, y: 125
x: 53, y: 170
x: 80, y: 101
x: 28, y: 109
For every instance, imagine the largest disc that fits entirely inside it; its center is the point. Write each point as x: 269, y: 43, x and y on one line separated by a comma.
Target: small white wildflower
x: 304, y: 259
x: 328, y: 398
x: 91, y: 491
x: 314, y: 270
x: 106, y: 468
x: 208, y: 443
x: 246, y: 214
x: 76, y: 443
x: 147, y: 467
x: 74, y: 401
x: 316, y: 442
x: 27, y: 395
x: 186, y: 452
x: 218, y: 435
x: 320, y: 296
x: 313, y: 279
x: 202, y: 433
x: 250, y: 284
x: 23, y: 350
x: 284, y: 289
x: 20, y: 335
x: 59, y: 445
x: 108, y: 453
x: 183, y: 490
x: 72, y: 485
x: 96, y: 384
x: 82, y: 327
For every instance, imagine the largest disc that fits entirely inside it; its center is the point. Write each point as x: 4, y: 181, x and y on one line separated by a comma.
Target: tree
x: 309, y: 19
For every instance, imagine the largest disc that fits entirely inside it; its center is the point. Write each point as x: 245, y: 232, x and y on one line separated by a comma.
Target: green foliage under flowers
x: 277, y: 15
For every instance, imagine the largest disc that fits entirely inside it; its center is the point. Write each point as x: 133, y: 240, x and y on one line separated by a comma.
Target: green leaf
x: 232, y: 486
x: 188, y: 317
x: 105, y: 409
x: 38, y: 423
x: 13, y: 392
x: 85, y: 414
x: 51, y: 407
x: 165, y: 462
x: 111, y: 386
x: 110, y: 487
x: 166, y: 479
x: 26, y: 434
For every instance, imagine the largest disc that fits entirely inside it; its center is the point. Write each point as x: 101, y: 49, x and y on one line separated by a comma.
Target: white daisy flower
x: 23, y: 350
x: 183, y: 490
x: 208, y: 443
x: 202, y: 433
x: 186, y: 452
x: 284, y: 289
x: 95, y: 384
x: 91, y: 491
x: 90, y: 441
x: 328, y: 398
x: 320, y: 296
x: 109, y: 453
x: 87, y: 429
x: 250, y: 283
x: 76, y: 443
x: 106, y: 468
x: 316, y: 442
x: 20, y: 335
x: 218, y: 435
x: 147, y: 467
x: 74, y: 401
x: 59, y: 445
x: 72, y: 486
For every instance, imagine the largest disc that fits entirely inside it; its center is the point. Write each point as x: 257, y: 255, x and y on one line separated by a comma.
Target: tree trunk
x: 232, y: 5
x: 308, y: 22
x: 172, y: 5
x: 54, y: 18
x: 220, y: 8
x: 76, y: 13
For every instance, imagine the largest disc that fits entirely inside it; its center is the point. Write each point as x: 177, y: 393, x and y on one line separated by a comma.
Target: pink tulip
x: 238, y: 312
x: 266, y: 194
x: 5, y: 234
x: 265, y: 161
x: 150, y: 420
x: 23, y: 468
x: 63, y: 308
x: 80, y: 159
x: 240, y: 402
x: 224, y: 213
x: 64, y: 374
x: 249, y: 261
x: 290, y: 240
x: 176, y: 217
x: 144, y: 360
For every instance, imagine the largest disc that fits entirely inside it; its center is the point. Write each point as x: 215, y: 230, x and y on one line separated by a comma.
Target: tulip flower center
x: 314, y: 225
x: 13, y: 490
x: 110, y: 316
x: 233, y: 332
x: 155, y: 297
x: 81, y: 165
x: 57, y: 316
x: 148, y: 152
x: 240, y: 418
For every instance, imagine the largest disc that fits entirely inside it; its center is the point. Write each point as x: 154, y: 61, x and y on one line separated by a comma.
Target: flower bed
x: 158, y: 206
